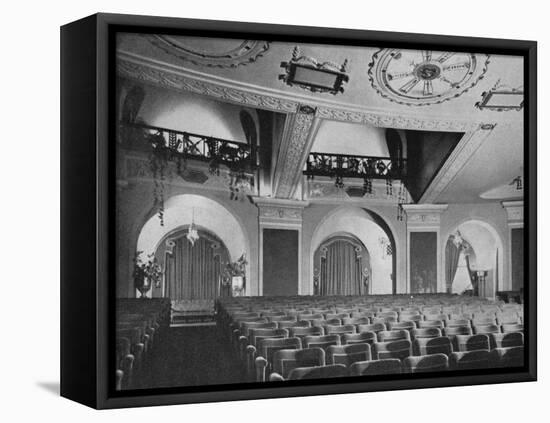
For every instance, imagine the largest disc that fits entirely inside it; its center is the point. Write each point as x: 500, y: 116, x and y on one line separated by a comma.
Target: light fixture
x: 192, y: 234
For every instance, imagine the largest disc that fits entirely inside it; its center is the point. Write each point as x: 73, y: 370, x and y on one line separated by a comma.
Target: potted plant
x: 146, y: 273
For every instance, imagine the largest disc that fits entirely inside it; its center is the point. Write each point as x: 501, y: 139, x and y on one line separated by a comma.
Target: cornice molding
x: 461, y: 154
x: 150, y: 71
x: 280, y: 212
x: 514, y: 211
x: 420, y: 215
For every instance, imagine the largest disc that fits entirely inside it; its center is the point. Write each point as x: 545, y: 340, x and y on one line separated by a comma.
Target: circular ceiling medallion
x: 212, y: 52
x: 424, y: 77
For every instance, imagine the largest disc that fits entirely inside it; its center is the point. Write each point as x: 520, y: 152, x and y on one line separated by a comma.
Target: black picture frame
x: 87, y: 216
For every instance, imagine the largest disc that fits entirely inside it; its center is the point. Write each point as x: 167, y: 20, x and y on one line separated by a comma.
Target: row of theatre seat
x: 307, y: 337
x: 140, y: 324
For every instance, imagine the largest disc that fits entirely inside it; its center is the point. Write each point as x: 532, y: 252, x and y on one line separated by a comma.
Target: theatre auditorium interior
x: 287, y: 210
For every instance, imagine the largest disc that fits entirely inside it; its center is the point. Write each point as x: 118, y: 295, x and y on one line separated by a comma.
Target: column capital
x: 514, y: 212
x: 424, y: 214
x: 280, y: 212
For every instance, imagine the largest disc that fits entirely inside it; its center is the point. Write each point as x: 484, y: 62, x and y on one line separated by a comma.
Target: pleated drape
x: 452, y: 254
x: 341, y: 271
x: 193, y: 271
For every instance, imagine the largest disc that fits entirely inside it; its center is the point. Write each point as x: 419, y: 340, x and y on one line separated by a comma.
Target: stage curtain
x: 341, y: 270
x: 193, y: 271
x: 452, y: 254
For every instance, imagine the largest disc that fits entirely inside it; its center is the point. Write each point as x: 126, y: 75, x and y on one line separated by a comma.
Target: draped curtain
x: 452, y: 254
x: 192, y: 271
x: 341, y: 270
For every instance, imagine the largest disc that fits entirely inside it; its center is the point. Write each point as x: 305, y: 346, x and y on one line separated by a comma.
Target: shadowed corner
x: 51, y: 387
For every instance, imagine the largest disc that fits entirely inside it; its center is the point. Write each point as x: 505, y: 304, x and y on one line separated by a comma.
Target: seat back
x: 362, y: 314
x: 472, y: 342
x: 425, y: 333
x: 283, y: 318
x: 426, y: 363
x: 431, y: 324
x: 294, y: 324
x: 403, y: 317
x: 465, y: 360
x: 302, y: 332
x: 393, y: 335
x: 484, y: 321
x: 487, y: 329
x: 507, y: 357
x: 284, y: 361
x: 392, y: 349
x: 256, y: 335
x: 321, y: 341
x: 426, y: 346
x: 438, y: 316
x: 404, y: 325
x: 512, y: 328
x: 323, y: 322
x: 373, y: 327
x: 329, y: 329
x: 268, y: 346
x: 508, y: 318
x: 247, y: 326
x: 324, y: 372
x: 311, y: 316
x: 457, y: 322
x: 339, y: 316
x: 358, y: 338
x: 356, y: 321
x: 386, y: 366
x: 505, y: 340
x: 348, y: 354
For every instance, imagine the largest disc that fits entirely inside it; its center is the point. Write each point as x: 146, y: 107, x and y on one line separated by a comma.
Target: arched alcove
x: 369, y: 228
x: 183, y: 111
x: 208, y: 214
x: 487, y: 246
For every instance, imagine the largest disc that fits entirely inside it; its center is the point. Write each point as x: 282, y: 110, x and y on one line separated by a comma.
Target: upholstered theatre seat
x: 324, y: 372
x: 393, y: 335
x: 358, y: 338
x: 348, y: 354
x: 472, y: 342
x: 425, y: 333
x: 426, y: 346
x: 426, y: 363
x: 284, y: 361
x: 393, y: 349
x: 465, y: 360
x: 321, y: 341
x: 387, y: 366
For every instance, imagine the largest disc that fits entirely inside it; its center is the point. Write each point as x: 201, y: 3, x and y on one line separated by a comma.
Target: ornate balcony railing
x: 348, y: 166
x: 234, y: 154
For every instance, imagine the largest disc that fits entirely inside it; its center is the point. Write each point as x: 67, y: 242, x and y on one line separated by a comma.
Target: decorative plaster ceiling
x: 212, y: 68
x: 211, y: 52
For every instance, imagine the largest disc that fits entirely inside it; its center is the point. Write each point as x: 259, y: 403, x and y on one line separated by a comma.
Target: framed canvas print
x: 255, y: 211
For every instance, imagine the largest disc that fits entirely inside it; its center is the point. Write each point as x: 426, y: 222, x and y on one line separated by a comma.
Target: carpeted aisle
x: 190, y: 356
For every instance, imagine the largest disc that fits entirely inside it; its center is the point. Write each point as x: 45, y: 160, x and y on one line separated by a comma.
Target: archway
x: 343, y: 264
x: 207, y: 214
x: 373, y: 232
x: 482, y: 258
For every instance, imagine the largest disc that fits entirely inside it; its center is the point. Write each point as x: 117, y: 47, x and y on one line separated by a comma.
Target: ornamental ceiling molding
x: 164, y: 75
x: 242, y: 54
x: 461, y: 154
x: 423, y: 77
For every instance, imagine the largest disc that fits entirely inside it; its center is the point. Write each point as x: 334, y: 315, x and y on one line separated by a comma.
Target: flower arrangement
x: 237, y: 268
x: 146, y: 273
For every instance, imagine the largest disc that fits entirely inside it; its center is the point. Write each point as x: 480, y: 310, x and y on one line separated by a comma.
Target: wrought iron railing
x: 234, y: 154
x: 348, y: 166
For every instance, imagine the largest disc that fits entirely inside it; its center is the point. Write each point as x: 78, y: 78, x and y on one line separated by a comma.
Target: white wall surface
x: 30, y: 196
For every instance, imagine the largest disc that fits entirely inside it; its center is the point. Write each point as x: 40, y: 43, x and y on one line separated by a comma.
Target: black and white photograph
x: 290, y: 211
